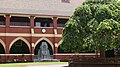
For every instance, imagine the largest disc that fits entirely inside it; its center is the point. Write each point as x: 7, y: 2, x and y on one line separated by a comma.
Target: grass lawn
x: 29, y: 63
x: 10, y: 65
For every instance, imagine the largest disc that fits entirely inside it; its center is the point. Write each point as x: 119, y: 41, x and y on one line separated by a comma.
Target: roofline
x: 28, y: 15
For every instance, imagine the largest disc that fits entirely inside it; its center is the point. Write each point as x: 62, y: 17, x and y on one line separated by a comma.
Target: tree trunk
x: 102, y: 53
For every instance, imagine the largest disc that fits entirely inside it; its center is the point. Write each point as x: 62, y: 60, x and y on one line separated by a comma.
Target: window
x: 37, y: 24
x: 65, y: 1
x: 19, y: 43
x: 2, y: 23
x: 61, y: 22
x: 43, y: 22
x: 19, y: 21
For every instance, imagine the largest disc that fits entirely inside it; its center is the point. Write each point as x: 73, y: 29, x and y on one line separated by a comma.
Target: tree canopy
x: 95, y: 25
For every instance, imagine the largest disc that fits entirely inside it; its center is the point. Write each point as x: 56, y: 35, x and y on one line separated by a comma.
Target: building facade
x: 25, y: 24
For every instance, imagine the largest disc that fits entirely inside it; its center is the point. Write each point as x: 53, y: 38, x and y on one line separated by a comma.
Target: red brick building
x: 24, y: 24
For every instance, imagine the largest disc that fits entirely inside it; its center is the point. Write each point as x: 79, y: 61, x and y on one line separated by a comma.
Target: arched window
x: 38, y: 47
x: 2, y: 51
x: 19, y: 47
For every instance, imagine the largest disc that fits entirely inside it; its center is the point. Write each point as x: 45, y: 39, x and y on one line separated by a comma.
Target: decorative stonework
x: 43, y: 52
x: 55, y: 31
x: 51, y: 44
x: 56, y: 45
x: 33, y: 45
x: 43, y: 30
x: 32, y: 31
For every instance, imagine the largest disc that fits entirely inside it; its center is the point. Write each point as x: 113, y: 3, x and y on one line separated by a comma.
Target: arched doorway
x: 19, y: 47
x: 38, y: 47
x: 2, y: 51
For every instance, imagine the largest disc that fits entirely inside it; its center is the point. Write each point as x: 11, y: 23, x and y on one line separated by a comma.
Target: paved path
x: 51, y: 65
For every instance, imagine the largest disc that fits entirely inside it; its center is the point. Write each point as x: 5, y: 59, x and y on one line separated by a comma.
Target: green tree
x: 95, y: 25
x: 99, y: 1
x: 106, y: 35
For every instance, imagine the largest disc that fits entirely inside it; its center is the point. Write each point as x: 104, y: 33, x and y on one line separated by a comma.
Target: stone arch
x: 45, y: 40
x: 60, y: 50
x: 20, y: 38
x: 3, y: 44
x: 60, y: 42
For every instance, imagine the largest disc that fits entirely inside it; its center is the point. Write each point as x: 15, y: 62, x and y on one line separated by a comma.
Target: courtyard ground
x: 36, y: 64
x: 53, y: 65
